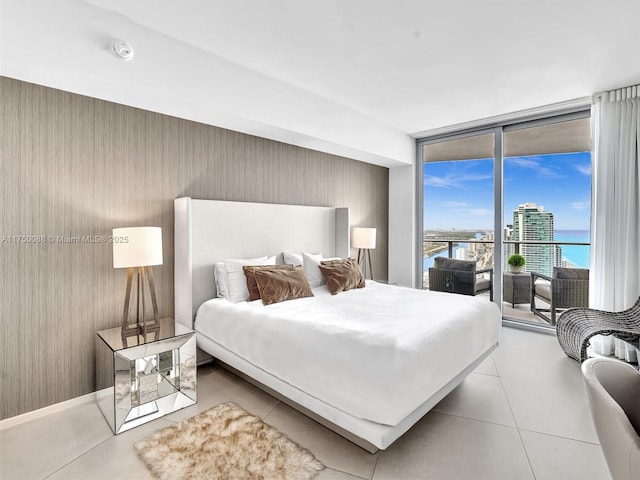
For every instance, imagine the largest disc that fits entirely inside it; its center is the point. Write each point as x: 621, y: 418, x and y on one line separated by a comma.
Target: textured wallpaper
x: 72, y: 168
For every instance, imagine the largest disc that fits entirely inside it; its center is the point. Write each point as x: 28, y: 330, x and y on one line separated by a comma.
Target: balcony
x: 481, y: 250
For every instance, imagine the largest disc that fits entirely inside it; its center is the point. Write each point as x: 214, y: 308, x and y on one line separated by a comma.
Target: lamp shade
x: 137, y: 247
x: 363, y: 237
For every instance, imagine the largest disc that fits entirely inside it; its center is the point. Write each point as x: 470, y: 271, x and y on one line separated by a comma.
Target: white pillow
x: 222, y: 279
x: 292, y: 258
x: 311, y: 267
x: 237, y: 282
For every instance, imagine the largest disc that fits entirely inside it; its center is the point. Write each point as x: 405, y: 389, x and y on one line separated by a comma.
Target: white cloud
x: 481, y: 212
x: 455, y: 204
x: 455, y: 181
x: 433, y: 181
x: 533, y: 164
x: 584, y: 169
x: 580, y: 205
x: 522, y: 162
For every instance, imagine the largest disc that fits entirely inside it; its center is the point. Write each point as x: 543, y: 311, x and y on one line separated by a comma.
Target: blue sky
x: 459, y: 194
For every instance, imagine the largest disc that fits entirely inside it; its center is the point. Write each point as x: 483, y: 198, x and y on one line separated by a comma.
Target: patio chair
x: 576, y: 326
x: 566, y: 288
x: 459, y: 276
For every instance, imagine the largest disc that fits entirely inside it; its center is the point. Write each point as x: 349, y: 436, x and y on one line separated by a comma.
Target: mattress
x: 375, y: 353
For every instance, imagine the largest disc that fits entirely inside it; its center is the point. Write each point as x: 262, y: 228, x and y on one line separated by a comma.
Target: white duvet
x: 376, y: 353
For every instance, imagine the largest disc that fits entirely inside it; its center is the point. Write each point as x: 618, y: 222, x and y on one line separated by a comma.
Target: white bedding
x: 376, y: 353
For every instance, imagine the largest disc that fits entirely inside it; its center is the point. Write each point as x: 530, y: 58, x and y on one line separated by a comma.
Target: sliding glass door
x: 519, y: 189
x: 458, y: 208
x: 547, y: 209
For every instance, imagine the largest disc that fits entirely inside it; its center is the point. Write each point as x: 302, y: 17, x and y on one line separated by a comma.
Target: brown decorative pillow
x: 280, y: 285
x: 342, y: 275
x: 250, y: 274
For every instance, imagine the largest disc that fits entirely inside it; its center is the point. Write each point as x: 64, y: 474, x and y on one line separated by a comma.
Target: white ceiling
x: 350, y: 77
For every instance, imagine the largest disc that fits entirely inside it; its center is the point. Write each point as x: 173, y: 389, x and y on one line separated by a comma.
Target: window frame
x: 498, y: 129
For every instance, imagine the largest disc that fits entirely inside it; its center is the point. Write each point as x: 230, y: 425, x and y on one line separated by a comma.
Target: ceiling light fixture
x: 122, y: 50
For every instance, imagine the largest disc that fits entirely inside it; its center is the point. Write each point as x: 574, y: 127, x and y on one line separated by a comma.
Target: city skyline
x: 459, y: 194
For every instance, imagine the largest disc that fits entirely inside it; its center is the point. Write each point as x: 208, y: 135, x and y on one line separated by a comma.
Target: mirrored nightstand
x: 138, y: 381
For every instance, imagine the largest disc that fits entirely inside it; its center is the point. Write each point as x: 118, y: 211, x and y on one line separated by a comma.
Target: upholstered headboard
x: 207, y: 231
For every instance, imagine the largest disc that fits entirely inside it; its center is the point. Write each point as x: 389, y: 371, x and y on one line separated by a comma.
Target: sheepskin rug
x: 225, y: 443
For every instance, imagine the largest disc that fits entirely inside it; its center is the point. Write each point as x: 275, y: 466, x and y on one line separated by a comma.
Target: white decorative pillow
x: 311, y: 265
x: 294, y: 259
x: 222, y: 279
x: 237, y: 282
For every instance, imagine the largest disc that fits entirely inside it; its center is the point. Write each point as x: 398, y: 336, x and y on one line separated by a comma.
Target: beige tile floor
x: 522, y: 414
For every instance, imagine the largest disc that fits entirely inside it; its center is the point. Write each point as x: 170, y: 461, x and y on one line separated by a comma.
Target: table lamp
x: 138, y: 248
x: 364, y: 239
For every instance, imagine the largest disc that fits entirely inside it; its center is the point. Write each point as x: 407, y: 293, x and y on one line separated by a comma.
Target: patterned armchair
x: 567, y: 288
x: 459, y: 276
x: 577, y: 326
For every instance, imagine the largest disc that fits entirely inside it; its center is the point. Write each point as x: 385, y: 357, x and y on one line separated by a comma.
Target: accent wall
x: 74, y: 167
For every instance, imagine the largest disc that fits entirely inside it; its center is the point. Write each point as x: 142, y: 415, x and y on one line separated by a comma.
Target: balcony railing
x: 450, y: 243
x: 481, y: 250
x: 517, y: 243
x: 432, y: 250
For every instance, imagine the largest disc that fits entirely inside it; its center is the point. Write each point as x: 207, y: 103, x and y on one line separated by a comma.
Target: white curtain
x: 615, y: 252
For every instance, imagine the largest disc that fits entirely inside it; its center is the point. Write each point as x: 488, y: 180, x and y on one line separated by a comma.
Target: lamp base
x: 140, y: 327
x: 364, y: 257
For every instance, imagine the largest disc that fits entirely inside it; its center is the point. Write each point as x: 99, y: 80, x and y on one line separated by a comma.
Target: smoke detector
x: 122, y: 50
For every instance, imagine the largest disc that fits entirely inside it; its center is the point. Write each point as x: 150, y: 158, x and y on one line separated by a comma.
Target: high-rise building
x: 532, y: 223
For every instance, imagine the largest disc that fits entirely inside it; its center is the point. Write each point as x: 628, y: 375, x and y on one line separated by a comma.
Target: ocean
x: 576, y: 255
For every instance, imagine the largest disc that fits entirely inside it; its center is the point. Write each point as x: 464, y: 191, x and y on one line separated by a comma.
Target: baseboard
x: 43, y: 412
x: 202, y: 358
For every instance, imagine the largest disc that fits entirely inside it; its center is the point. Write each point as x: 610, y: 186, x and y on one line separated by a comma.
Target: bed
x: 368, y: 374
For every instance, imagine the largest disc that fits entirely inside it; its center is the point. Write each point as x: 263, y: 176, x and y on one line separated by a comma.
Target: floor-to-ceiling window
x: 458, y: 207
x: 522, y: 188
x: 547, y: 205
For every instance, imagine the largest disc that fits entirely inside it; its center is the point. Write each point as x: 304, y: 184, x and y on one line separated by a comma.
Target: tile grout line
x: 326, y: 467
x: 514, y: 426
x: 271, y: 411
x: 485, y: 374
x: 524, y: 447
x: 373, y: 474
x: 346, y: 473
x: 560, y: 436
x: 77, y: 458
x: 477, y: 419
